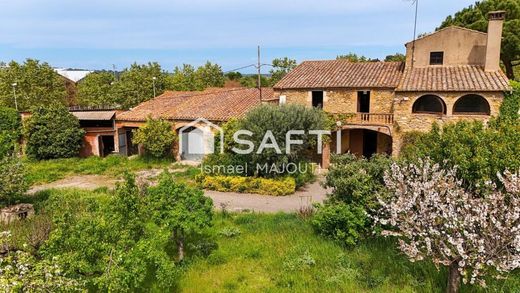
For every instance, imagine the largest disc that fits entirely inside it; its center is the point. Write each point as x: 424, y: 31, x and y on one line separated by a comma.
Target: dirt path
x: 231, y: 201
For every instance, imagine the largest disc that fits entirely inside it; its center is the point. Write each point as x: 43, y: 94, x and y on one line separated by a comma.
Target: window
x: 283, y: 100
x: 429, y: 104
x: 436, y: 58
x: 363, y: 102
x: 317, y: 99
x: 471, y: 104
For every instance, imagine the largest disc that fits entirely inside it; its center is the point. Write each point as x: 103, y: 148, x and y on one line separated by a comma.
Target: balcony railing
x: 371, y: 118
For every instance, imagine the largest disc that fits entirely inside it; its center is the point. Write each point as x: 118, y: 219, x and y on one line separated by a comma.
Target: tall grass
x: 280, y: 253
x: 114, y: 165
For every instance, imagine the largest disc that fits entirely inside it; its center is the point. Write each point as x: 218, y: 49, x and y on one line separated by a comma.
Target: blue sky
x: 95, y: 34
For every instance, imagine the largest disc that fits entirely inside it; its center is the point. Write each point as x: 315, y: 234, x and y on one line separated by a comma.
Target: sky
x: 97, y: 34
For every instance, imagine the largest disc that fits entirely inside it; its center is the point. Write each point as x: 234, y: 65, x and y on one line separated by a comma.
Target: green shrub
x: 53, y: 132
x: 510, y: 108
x: 479, y: 152
x: 157, y: 137
x: 276, y: 187
x: 10, y: 130
x: 342, y: 222
x: 12, y: 180
x: 357, y: 181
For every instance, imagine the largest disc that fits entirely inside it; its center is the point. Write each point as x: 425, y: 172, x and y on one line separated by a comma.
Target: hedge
x: 276, y: 187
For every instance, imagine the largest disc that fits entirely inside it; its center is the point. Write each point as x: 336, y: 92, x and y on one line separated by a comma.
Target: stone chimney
x: 494, y: 40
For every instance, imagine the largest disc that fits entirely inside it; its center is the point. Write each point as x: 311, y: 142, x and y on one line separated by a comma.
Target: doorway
x: 363, y: 105
x: 106, y: 145
x: 369, y: 143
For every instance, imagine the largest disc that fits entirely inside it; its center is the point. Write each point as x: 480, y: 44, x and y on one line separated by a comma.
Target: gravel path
x: 231, y: 201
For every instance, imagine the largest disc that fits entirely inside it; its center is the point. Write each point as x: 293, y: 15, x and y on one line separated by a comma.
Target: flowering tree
x: 435, y: 217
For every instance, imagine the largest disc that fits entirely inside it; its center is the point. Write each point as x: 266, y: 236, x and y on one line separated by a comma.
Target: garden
x: 440, y: 217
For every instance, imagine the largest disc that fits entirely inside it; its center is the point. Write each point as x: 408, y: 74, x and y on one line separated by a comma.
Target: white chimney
x: 494, y: 40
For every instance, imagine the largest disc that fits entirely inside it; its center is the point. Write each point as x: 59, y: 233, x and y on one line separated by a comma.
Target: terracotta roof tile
x: 453, y: 79
x: 215, y: 104
x: 342, y: 74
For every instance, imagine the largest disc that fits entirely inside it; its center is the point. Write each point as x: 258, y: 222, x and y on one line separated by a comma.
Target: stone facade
x: 400, y: 104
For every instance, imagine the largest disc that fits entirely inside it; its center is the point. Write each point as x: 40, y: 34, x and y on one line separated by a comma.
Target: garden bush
x: 53, y: 132
x: 276, y: 187
x: 478, y: 151
x: 157, y: 138
x: 342, y: 222
x: 10, y: 130
x: 12, y: 180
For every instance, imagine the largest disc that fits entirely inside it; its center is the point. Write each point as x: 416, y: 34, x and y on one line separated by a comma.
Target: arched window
x: 472, y: 104
x: 429, y: 104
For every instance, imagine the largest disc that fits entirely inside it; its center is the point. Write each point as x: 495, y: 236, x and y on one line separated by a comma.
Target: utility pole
x: 153, y: 80
x: 259, y: 66
x: 14, y: 95
x: 416, y: 2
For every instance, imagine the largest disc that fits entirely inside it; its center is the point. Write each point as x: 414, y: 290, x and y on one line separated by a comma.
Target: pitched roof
x: 453, y: 79
x: 212, y: 104
x: 448, y: 28
x: 342, y: 74
x: 94, y: 115
x: 73, y: 75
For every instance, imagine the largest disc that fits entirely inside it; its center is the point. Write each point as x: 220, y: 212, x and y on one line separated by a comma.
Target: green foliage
x: 136, y: 84
x: 157, y: 137
x: 279, y: 120
x: 37, y: 84
x: 10, y: 130
x: 12, y: 182
x: 476, y: 17
x: 479, y: 152
x: 113, y: 166
x: 281, y: 66
x: 52, y: 132
x: 251, y: 81
x: 121, y: 242
x: 352, y: 57
x: 397, y: 57
x: 97, y: 89
x: 183, y: 211
x: 510, y: 108
x: 357, y: 181
x: 342, y: 222
x: 274, y: 187
x: 188, y: 78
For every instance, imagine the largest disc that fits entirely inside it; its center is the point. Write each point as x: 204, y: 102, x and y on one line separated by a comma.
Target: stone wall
x: 342, y: 100
x: 405, y: 120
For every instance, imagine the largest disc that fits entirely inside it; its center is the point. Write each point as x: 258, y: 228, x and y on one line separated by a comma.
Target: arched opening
x: 471, y: 105
x: 362, y: 142
x: 429, y: 104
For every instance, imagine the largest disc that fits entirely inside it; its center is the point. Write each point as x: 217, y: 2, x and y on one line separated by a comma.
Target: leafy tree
x: 274, y: 122
x: 52, y: 132
x: 185, y: 79
x: 397, y: 57
x: 37, y: 84
x: 10, y: 130
x: 234, y: 75
x: 12, y: 182
x: 510, y: 108
x: 352, y: 57
x: 111, y: 243
x: 183, y: 210
x: 136, y: 84
x: 281, y: 66
x: 479, y: 152
x: 157, y: 137
x: 251, y: 81
x: 210, y: 75
x: 435, y: 218
x: 97, y: 89
x: 476, y: 17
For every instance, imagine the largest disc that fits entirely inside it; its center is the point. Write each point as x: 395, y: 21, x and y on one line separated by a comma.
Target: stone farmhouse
x: 450, y: 75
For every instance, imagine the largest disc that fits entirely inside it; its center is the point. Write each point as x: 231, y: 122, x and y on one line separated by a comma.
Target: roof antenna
x: 416, y: 2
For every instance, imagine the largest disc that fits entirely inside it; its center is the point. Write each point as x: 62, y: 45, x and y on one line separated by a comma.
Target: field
x: 280, y: 253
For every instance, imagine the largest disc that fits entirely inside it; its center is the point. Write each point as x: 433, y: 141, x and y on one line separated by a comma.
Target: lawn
x: 280, y: 253
x: 113, y: 166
